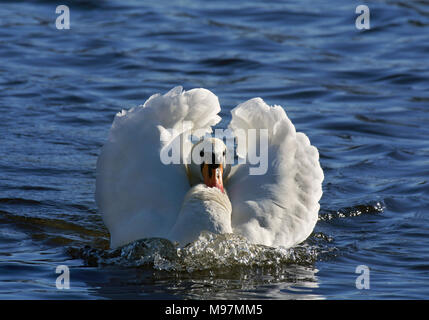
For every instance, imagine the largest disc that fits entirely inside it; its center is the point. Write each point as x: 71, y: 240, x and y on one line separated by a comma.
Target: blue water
x: 361, y: 96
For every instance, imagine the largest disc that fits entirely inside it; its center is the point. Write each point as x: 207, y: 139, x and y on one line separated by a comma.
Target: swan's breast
x: 203, y: 208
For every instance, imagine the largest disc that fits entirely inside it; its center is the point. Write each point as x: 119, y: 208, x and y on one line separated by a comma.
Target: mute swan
x: 140, y: 197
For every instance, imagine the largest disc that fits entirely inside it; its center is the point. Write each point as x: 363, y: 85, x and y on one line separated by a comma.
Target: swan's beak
x: 212, y: 174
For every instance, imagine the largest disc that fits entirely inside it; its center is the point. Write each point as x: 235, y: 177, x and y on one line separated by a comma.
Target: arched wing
x: 138, y: 195
x: 280, y: 207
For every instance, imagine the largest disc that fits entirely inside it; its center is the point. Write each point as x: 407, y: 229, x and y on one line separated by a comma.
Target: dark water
x: 361, y: 96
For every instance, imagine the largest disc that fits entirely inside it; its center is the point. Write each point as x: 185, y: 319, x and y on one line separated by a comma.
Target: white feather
x: 278, y: 208
x: 138, y: 196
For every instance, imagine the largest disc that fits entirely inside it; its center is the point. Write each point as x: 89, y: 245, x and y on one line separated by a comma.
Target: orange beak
x: 212, y: 175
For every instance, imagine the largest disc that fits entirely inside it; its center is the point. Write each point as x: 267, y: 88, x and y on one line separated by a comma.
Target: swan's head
x: 208, y: 163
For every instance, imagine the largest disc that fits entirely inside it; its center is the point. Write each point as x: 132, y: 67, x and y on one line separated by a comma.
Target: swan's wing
x: 280, y: 207
x: 138, y: 195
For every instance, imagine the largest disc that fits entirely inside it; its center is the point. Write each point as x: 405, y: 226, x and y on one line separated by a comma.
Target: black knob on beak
x: 214, y: 166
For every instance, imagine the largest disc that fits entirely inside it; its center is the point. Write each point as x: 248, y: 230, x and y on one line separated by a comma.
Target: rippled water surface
x: 361, y: 96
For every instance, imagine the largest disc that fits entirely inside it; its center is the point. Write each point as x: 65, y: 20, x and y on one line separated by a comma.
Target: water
x: 361, y: 97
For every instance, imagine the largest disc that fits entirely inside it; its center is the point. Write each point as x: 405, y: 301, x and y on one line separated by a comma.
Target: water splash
x: 210, y: 252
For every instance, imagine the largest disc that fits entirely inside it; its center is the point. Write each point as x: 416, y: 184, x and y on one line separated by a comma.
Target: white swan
x: 141, y: 197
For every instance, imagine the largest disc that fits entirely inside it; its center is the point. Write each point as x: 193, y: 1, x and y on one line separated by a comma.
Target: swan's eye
x: 201, y: 153
x: 224, y: 153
